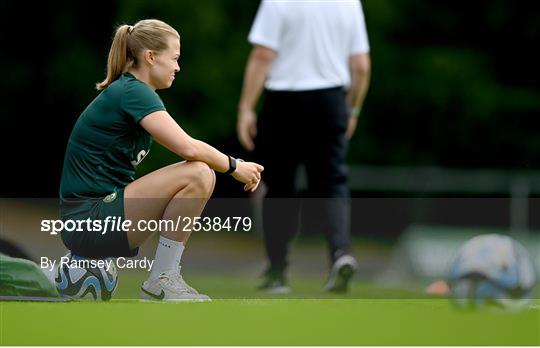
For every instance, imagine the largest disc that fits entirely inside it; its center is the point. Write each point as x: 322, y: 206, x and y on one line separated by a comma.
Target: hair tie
x: 130, y: 29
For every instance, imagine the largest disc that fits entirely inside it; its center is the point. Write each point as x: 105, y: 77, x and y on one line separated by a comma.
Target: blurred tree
x: 461, y: 81
x: 53, y: 57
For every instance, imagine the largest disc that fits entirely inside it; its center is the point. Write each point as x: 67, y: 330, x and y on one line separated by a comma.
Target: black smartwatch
x: 232, y: 165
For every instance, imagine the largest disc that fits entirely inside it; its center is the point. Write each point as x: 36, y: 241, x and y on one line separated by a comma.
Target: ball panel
x: 75, y: 274
x: 81, y: 282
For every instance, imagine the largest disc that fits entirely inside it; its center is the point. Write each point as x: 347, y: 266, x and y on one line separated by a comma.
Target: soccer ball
x: 81, y: 278
x: 489, y: 270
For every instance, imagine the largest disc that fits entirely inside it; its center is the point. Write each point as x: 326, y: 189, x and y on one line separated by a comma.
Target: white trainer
x: 170, y: 286
x: 341, y: 274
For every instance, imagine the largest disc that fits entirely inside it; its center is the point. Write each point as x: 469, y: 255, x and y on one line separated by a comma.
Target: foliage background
x: 454, y: 84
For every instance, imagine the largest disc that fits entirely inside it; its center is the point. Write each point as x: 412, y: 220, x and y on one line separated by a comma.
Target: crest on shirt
x: 140, y: 156
x: 110, y: 198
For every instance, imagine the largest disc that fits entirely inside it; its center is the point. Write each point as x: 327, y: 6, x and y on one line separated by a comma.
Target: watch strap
x: 232, y: 165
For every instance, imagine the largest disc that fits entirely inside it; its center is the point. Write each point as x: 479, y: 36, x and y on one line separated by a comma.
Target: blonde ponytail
x: 129, y: 41
x: 118, y: 60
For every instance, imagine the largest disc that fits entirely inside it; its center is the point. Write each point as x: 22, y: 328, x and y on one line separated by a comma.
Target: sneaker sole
x: 172, y: 301
x: 146, y: 298
x: 340, y: 278
x: 344, y: 277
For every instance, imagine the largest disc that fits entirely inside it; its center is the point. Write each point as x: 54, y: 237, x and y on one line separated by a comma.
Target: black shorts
x: 92, y: 242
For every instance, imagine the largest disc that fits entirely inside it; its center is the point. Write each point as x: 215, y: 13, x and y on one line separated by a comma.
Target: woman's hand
x: 248, y: 173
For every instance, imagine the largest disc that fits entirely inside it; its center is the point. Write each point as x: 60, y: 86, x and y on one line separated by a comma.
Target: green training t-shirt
x: 107, y: 142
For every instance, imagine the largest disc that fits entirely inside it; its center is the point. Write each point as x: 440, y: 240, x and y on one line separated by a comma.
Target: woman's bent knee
x: 202, y: 177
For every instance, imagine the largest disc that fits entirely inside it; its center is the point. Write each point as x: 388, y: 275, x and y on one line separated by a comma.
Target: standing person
x: 313, y: 60
x: 113, y: 135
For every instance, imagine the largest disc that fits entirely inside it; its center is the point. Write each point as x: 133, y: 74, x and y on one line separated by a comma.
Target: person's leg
x: 179, y: 190
x: 280, y: 213
x: 328, y: 183
x: 328, y: 197
x: 326, y: 169
x: 276, y: 151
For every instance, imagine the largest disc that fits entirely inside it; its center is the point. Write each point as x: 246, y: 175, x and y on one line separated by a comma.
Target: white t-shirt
x: 313, y: 41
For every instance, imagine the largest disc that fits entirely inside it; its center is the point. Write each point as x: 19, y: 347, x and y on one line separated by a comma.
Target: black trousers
x: 304, y: 127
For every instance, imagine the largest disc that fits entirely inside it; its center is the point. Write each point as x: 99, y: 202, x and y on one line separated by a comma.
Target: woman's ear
x: 149, y: 56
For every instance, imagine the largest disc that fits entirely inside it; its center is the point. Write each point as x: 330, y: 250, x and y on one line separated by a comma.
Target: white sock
x: 168, y: 256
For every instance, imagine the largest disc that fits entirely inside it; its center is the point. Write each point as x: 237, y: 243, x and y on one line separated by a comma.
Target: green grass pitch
x: 238, y: 316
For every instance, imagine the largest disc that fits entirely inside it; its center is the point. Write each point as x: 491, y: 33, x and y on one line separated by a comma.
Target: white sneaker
x: 170, y: 286
x: 341, y: 274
